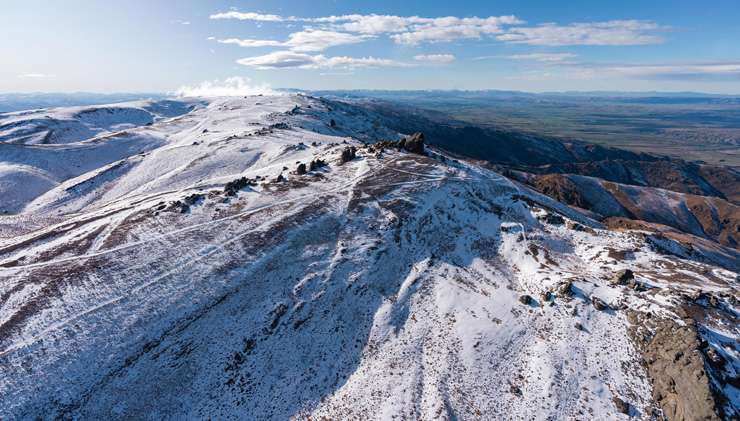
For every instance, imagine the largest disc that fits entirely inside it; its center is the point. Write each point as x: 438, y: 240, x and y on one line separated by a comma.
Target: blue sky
x: 147, y: 46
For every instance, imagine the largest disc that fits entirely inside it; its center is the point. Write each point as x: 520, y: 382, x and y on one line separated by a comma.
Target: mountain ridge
x: 377, y: 282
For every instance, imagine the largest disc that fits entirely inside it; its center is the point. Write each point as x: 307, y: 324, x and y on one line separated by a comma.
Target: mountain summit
x: 287, y: 256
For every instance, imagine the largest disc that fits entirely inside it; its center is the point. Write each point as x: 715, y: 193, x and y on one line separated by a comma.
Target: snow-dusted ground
x: 42, y: 149
x: 387, y: 287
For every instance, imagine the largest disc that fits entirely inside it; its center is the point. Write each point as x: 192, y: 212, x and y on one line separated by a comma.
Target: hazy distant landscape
x: 690, y: 126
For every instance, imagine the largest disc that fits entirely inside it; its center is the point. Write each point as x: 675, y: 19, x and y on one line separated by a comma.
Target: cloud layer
x: 435, y: 58
x: 413, y: 30
x: 307, y: 40
x: 543, y: 57
x: 321, y: 33
x: 233, y: 86
x: 291, y: 59
x: 616, y: 32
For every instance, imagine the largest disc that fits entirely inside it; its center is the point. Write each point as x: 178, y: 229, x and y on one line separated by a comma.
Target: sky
x: 222, y: 46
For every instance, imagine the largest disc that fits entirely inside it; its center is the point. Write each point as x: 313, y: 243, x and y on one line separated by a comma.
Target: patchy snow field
x: 391, y: 286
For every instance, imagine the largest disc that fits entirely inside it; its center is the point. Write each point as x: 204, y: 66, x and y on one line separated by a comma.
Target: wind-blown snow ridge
x: 392, y: 285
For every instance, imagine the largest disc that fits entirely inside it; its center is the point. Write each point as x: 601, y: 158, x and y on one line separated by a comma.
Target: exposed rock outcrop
x: 348, y: 154
x: 301, y: 169
x: 414, y: 143
x: 232, y: 187
x: 316, y: 164
x: 675, y: 365
x: 622, y: 277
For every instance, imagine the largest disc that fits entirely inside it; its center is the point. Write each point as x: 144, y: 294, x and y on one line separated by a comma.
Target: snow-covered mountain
x: 277, y: 257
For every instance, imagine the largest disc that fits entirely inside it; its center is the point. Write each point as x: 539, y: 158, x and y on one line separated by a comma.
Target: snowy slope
x: 74, y: 124
x: 389, y: 286
x: 43, y: 149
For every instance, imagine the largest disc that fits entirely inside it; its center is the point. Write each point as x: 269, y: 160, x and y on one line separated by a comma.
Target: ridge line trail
x: 13, y: 270
x: 176, y: 231
x: 209, y: 249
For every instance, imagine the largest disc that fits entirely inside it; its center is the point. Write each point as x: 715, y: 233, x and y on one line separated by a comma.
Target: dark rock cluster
x: 413, y: 144
x: 316, y: 164
x: 232, y: 187
x: 348, y: 154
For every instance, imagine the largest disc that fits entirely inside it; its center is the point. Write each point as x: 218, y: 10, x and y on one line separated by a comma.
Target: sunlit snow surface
x: 383, y: 288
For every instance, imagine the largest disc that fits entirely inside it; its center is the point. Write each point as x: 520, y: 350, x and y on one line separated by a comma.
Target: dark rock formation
x: 621, y: 405
x: 598, y: 303
x: 348, y: 154
x: 316, y: 164
x: 193, y: 199
x: 414, y: 143
x: 622, y: 277
x: 565, y: 289
x: 525, y: 299
x: 552, y: 219
x: 675, y: 365
x: 232, y: 187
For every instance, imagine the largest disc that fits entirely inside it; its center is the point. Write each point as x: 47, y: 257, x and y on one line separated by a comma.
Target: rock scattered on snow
x: 622, y: 277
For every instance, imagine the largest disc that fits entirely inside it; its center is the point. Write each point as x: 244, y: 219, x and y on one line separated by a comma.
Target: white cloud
x: 278, y: 60
x: 233, y: 86
x: 453, y: 28
x: 405, y: 29
x: 435, y: 58
x: 543, y: 57
x: 372, y: 24
x: 247, y: 16
x: 251, y: 42
x: 308, y: 40
x: 615, y: 32
x: 336, y: 73
x: 36, y: 76
x: 413, y: 30
x: 320, y: 33
x: 291, y: 59
x: 317, y: 40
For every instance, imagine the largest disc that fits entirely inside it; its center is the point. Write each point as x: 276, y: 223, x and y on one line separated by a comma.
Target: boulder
x: 525, y: 299
x: 552, y: 219
x: 193, y: 199
x: 348, y: 154
x: 301, y: 169
x: 622, y: 406
x: 598, y: 303
x: 622, y: 277
x: 414, y: 143
x: 546, y: 296
x: 565, y: 289
x: 681, y: 384
x: 232, y: 187
x: 316, y: 164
